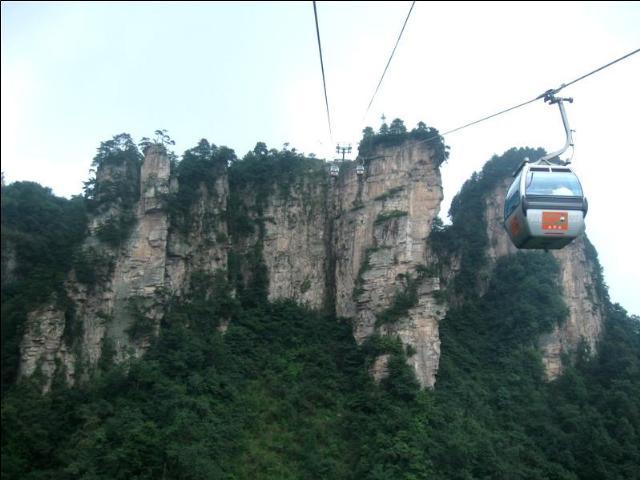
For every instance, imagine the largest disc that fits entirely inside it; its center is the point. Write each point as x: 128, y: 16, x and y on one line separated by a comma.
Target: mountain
x: 226, y: 318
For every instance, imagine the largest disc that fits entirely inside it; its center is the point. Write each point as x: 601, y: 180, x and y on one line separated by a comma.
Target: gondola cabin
x: 360, y: 170
x: 545, y: 207
x: 334, y: 170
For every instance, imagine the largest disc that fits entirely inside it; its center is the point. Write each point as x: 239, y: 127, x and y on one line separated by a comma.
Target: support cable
x: 390, y: 58
x: 544, y: 95
x: 324, y: 82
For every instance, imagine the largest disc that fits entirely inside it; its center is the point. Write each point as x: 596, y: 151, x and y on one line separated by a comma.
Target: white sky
x: 75, y: 74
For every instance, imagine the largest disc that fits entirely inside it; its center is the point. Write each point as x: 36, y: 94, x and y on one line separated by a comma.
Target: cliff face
x: 577, y: 280
x: 354, y: 242
x: 586, y: 311
x: 134, y: 279
x: 383, y: 220
x: 358, y: 244
x: 43, y: 345
x: 140, y: 268
x: 205, y: 245
x: 296, y: 244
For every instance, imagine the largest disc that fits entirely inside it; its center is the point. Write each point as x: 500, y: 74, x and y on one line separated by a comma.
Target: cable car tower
x: 343, y: 149
x: 545, y: 206
x: 334, y: 170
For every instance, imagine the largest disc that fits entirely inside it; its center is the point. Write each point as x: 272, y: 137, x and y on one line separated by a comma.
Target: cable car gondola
x: 545, y: 206
x: 360, y: 169
x: 334, y: 170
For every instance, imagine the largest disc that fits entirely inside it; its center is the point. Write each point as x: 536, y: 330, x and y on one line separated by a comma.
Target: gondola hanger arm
x: 550, y: 98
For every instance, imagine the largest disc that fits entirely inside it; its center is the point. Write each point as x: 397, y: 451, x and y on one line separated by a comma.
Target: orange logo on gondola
x: 514, y: 226
x: 557, y: 221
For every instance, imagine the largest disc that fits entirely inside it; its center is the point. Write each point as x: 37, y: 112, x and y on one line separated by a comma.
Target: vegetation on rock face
x: 199, y: 169
x: 268, y: 171
x: 466, y: 236
x: 396, y: 134
x: 117, y: 169
x: 285, y: 392
x: 384, y: 216
x: 40, y: 235
x: 115, y: 189
x: 261, y: 175
x: 390, y: 193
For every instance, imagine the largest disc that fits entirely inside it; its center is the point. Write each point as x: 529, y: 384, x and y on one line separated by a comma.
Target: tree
x: 115, y: 151
x: 397, y: 127
x: 261, y: 149
x: 161, y: 138
x: 368, y: 133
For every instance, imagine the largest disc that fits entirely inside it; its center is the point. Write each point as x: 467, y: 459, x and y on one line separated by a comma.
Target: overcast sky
x: 75, y: 74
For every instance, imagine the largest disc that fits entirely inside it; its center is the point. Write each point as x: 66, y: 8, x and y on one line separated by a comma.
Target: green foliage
x: 467, y: 237
x: 40, y: 228
x: 357, y: 205
x: 201, y: 405
x: 118, y: 151
x: 285, y: 392
x: 116, y: 229
x: 376, y: 345
x: 161, y: 139
x: 221, y: 237
x: 364, y: 267
x: 115, y: 189
x: 117, y: 180
x: 404, y: 299
x: 262, y: 174
x: 239, y: 221
x: 266, y: 172
x: 107, y: 354
x: 197, y: 174
x: 73, y: 328
x: 397, y: 127
x: 389, y: 193
x: 384, y: 216
x: 396, y: 134
x: 92, y: 267
x: 141, y: 325
x: 600, y: 285
x: 39, y: 235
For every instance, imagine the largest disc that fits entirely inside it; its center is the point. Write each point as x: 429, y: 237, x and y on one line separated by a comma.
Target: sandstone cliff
x: 351, y: 243
x: 131, y: 284
x: 383, y: 220
x: 356, y: 244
